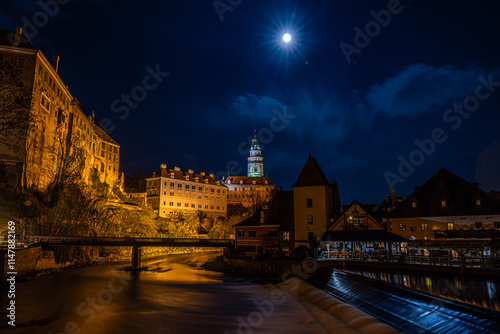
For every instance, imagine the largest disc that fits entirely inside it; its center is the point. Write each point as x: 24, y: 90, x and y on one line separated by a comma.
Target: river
x: 172, y: 296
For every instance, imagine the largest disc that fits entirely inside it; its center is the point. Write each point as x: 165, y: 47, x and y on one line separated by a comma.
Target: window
x: 172, y: 184
x: 179, y: 204
x: 45, y: 102
x: 193, y: 206
x: 179, y: 185
x: 211, y: 207
x: 193, y: 187
x: 200, y: 188
x: 309, y: 203
x: 199, y: 206
x: 165, y: 193
x: 413, y: 204
x: 206, y: 206
x: 478, y: 202
x: 241, y: 234
x: 309, y: 219
x: 251, y: 234
x: 171, y: 203
x: 424, y: 227
x: 172, y: 193
x: 479, y: 224
x: 164, y: 203
x: 186, y: 205
x: 218, y: 208
x: 412, y: 229
x: 212, y: 190
x: 286, y: 235
x: 402, y: 227
x: 102, y: 154
x: 450, y: 226
x: 187, y: 186
x: 443, y: 203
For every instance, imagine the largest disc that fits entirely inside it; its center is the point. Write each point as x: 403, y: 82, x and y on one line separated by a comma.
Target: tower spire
x: 255, y: 160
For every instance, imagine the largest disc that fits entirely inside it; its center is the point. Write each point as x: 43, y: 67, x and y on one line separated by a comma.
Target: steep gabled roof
x: 103, y: 135
x: 460, y: 197
x: 7, y: 38
x: 280, y: 210
x: 311, y: 175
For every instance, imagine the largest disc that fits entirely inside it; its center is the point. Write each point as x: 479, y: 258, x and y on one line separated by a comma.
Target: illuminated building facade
x: 59, y: 129
x: 172, y: 192
x: 255, y: 160
x: 255, y: 188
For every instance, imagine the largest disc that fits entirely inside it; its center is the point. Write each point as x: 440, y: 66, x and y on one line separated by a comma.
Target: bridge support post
x: 136, y: 257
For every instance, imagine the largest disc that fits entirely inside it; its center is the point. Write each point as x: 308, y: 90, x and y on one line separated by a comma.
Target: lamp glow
x: 287, y: 38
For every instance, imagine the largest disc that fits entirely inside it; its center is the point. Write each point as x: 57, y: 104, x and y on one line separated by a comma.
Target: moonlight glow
x: 287, y: 38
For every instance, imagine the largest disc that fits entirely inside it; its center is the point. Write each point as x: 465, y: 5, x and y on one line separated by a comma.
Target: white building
x: 172, y: 192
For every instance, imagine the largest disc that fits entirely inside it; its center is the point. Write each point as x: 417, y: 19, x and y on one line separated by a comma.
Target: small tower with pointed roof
x: 313, y: 204
x: 255, y: 160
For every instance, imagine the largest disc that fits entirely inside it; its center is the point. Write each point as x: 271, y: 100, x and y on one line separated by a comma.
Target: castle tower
x: 255, y: 160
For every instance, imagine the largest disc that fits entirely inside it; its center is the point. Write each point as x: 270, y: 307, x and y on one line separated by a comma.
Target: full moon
x: 287, y: 38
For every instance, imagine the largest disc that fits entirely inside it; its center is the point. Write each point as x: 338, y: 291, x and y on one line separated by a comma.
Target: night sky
x: 357, y: 102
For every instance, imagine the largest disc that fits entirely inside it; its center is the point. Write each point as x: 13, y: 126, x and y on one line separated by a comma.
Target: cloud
x: 258, y: 107
x: 420, y: 88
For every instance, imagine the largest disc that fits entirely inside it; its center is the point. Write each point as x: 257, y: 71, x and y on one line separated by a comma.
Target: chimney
x: 393, y: 195
x: 163, y: 166
x: 17, y: 37
x: 55, y: 62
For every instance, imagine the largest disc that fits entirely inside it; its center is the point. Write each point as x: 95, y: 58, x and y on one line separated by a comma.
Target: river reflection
x: 479, y: 291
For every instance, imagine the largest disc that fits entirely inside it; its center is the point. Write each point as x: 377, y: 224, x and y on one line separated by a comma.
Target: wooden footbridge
x: 135, y: 243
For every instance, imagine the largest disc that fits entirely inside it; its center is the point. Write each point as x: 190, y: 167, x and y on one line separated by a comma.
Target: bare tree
x: 15, y: 104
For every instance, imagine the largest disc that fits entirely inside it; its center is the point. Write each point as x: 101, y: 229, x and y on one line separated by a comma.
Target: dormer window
x: 413, y: 204
x: 187, y: 177
x: 443, y: 203
x: 241, y: 182
x: 253, y: 182
x: 478, y: 202
x: 172, y: 175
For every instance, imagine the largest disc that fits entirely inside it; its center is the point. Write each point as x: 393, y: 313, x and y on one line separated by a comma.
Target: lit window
x: 443, y: 203
x: 424, y: 227
x: 402, y: 227
x: 478, y: 202
x: 286, y: 235
x: 414, y: 204
x: 309, y: 219
x: 450, y: 226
